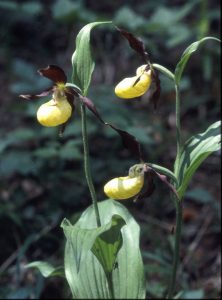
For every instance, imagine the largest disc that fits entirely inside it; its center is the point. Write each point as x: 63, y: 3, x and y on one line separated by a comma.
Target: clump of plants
x: 102, y: 254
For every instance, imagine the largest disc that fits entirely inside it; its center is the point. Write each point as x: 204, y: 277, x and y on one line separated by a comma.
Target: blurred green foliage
x: 42, y: 177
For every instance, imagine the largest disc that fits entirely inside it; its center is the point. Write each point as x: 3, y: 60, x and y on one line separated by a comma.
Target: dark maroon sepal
x: 42, y: 94
x: 149, y: 186
x: 135, y: 43
x: 128, y: 140
x: 71, y: 93
x: 91, y: 106
x: 54, y: 73
x: 156, y: 95
x: 163, y: 178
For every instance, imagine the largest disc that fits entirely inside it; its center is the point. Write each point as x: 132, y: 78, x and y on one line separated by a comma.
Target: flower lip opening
x: 144, y: 69
x: 61, y: 85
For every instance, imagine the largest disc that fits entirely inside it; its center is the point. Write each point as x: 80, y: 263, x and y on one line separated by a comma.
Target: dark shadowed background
x: 42, y: 179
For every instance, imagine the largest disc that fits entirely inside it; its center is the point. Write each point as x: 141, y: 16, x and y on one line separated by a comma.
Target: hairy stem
x: 178, y: 202
x: 87, y: 164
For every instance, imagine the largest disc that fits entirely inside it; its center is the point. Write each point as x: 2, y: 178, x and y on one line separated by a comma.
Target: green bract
x: 186, y: 55
x: 82, y: 62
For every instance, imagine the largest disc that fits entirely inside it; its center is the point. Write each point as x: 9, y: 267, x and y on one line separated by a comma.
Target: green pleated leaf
x: 186, y: 55
x: 82, y: 62
x: 195, y: 151
x: 120, y: 254
x: 107, y: 244
x: 84, y: 239
x: 46, y: 269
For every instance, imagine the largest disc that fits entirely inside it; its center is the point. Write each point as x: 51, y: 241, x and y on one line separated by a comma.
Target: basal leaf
x: 108, y: 243
x: 195, y: 151
x: 90, y: 281
x: 83, y: 64
x: 46, y: 269
x: 186, y: 55
x: 83, y: 239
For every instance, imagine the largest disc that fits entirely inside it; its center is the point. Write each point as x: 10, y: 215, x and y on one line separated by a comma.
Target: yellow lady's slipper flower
x: 134, y: 86
x: 59, y: 109
x: 124, y: 187
x: 54, y: 112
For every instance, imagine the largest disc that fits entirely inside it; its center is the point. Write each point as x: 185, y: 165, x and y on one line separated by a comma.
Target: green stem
x: 87, y: 164
x: 110, y: 284
x: 178, y: 202
x: 178, y: 119
x: 178, y: 131
x: 164, y: 70
x: 176, y: 257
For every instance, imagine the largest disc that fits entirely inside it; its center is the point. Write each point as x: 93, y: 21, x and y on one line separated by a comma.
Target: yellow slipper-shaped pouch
x: 124, y: 187
x: 54, y: 113
x: 135, y: 86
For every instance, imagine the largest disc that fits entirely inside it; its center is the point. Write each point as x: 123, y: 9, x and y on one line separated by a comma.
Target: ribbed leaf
x: 195, y: 151
x: 90, y: 282
x: 46, y: 269
x: 83, y: 64
x: 186, y: 55
x: 84, y: 239
x: 107, y: 244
